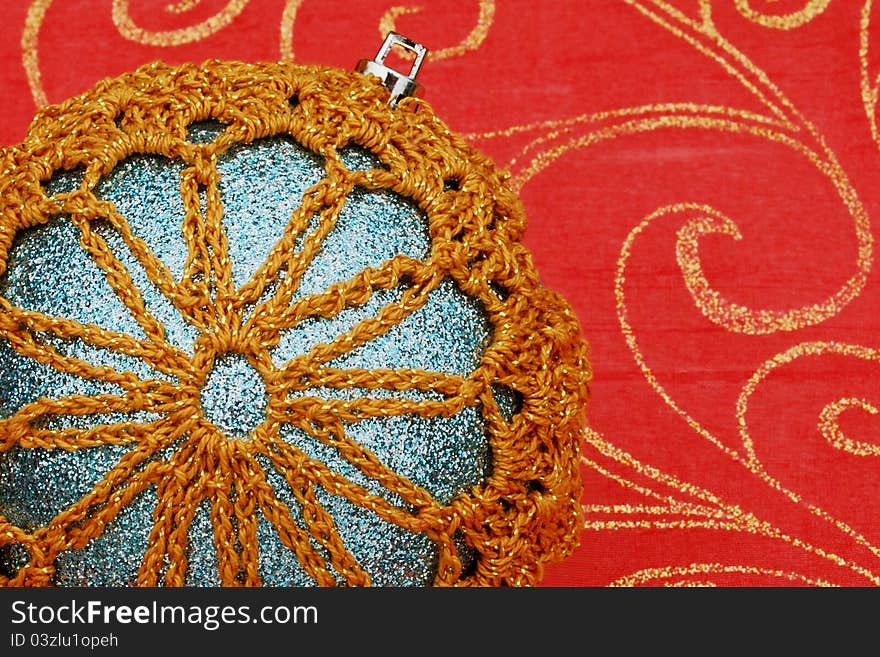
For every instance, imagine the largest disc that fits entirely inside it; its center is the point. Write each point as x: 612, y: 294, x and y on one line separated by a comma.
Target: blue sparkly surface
x: 358, y: 158
x: 202, y: 564
x: 234, y: 396
x: 371, y: 228
x: 36, y: 484
x: 277, y: 568
x: 448, y: 334
x: 177, y: 332
x: 24, y: 380
x: 100, y: 357
x: 312, y: 331
x: 49, y: 272
x: 204, y: 132
x: 391, y: 555
x: 113, y: 558
x: 13, y: 557
x: 146, y: 191
x: 261, y: 185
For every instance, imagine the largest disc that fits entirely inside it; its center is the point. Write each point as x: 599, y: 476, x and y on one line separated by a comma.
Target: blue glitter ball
x: 258, y: 326
x: 260, y: 185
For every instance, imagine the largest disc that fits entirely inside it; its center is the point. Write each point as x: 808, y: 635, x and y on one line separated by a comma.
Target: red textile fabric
x: 700, y: 183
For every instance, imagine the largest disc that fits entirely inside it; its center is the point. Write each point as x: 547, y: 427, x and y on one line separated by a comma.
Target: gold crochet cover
x: 527, y: 512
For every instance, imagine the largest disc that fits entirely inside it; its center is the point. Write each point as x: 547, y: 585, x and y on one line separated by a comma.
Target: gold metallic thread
x: 527, y: 512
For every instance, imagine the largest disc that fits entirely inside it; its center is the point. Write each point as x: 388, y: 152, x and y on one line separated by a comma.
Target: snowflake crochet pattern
x: 259, y: 328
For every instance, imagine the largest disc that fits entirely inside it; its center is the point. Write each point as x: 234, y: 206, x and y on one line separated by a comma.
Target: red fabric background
x: 700, y: 182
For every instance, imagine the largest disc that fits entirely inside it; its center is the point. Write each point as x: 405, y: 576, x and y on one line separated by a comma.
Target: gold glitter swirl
x: 750, y: 461
x: 870, y: 86
x: 472, y: 41
x: 706, y: 14
x: 741, y: 319
x: 127, y: 28
x: 831, y: 431
x: 828, y: 417
x: 182, y: 6
x: 558, y: 137
x: 555, y: 127
x: 733, y: 318
x: 30, y: 58
x: 648, y: 575
x: 786, y: 126
x: 788, y: 21
x: 687, y: 507
x: 288, y: 18
x: 703, y: 36
x: 829, y: 414
x: 604, y: 126
x: 131, y: 31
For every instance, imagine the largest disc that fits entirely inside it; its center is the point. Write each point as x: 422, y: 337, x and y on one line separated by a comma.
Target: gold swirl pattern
x: 182, y: 6
x: 684, y: 506
x: 706, y: 218
x: 786, y: 126
x: 649, y: 575
x: 691, y: 507
x: 30, y: 59
x: 133, y: 32
x: 831, y: 430
x: 739, y: 318
x: 788, y: 21
x: 388, y: 23
x: 870, y: 85
x: 127, y: 28
x: 168, y: 38
x: 288, y: 18
x: 826, y: 162
x: 827, y: 425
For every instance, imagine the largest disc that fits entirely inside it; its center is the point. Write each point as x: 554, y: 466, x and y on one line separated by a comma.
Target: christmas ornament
x: 272, y: 324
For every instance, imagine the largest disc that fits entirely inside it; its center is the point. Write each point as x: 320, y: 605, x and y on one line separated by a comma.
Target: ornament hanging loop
x: 400, y: 85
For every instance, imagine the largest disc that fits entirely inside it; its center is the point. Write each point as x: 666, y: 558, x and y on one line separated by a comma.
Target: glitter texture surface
x: 373, y: 227
x: 234, y: 396
x: 113, y: 558
x: 259, y: 327
x: 261, y: 185
x: 35, y: 484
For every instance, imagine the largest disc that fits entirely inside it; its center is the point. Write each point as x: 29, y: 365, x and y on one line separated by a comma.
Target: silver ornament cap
x: 401, y: 86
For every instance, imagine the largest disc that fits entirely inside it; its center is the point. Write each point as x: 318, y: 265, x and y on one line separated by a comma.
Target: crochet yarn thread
x: 524, y: 514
